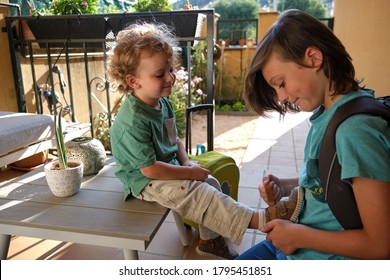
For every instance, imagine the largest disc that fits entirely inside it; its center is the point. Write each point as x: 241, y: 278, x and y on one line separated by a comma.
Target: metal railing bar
x: 188, y: 53
x: 72, y: 104
x: 88, y: 90
x: 53, y: 95
x: 107, y: 86
x: 38, y: 99
x: 79, y: 54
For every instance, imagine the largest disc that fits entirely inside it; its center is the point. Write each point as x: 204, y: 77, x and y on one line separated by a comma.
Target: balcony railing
x: 69, y: 67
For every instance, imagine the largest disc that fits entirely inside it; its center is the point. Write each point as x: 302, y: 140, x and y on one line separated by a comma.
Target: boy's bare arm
x: 165, y: 171
x: 182, y: 155
x: 187, y: 171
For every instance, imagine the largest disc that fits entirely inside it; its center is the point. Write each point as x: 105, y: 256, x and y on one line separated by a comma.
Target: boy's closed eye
x: 160, y: 75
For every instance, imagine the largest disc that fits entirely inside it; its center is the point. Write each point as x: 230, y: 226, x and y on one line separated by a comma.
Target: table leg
x: 130, y: 254
x: 5, y: 239
x: 180, y: 228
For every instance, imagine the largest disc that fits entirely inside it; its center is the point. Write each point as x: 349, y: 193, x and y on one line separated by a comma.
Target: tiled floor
x: 276, y: 146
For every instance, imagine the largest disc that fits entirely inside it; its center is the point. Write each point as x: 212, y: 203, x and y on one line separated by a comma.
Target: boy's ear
x: 314, y: 57
x: 132, y: 81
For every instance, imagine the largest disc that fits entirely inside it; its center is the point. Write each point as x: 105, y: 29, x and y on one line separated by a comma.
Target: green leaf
x: 60, y: 141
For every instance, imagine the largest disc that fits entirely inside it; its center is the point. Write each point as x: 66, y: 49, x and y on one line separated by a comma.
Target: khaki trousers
x: 204, y: 204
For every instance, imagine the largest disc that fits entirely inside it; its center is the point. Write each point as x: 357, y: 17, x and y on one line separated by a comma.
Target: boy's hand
x: 191, y: 163
x: 270, y: 200
x: 283, y: 235
x: 273, y: 184
x: 199, y: 173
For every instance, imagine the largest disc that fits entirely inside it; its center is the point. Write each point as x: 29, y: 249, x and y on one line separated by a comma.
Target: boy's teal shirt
x: 140, y: 136
x: 363, y: 149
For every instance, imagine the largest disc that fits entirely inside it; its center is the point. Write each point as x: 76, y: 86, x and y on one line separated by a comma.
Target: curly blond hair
x: 139, y: 37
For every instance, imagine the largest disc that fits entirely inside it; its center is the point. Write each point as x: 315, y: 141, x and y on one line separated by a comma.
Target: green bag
x: 223, y: 168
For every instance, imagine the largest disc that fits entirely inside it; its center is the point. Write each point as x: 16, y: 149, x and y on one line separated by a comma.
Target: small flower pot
x: 250, y: 43
x: 64, y: 182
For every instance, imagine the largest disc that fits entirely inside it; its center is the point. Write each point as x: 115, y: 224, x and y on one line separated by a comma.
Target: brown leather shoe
x: 216, y: 249
x: 288, y: 209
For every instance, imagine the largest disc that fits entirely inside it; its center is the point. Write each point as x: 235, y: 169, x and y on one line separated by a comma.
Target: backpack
x: 339, y: 194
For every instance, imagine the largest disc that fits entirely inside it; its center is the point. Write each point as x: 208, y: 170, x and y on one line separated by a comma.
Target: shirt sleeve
x: 137, y: 145
x: 363, y: 148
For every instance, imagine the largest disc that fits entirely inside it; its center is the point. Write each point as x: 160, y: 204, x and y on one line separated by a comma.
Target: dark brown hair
x: 290, y: 36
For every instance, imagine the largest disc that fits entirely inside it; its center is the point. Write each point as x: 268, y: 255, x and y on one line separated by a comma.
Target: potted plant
x: 186, y: 23
x: 73, y: 20
x: 63, y: 177
x: 152, y: 5
x: 70, y: 20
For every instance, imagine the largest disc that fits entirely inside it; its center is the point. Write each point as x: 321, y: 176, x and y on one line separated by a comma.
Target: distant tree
x: 238, y: 9
x: 314, y: 7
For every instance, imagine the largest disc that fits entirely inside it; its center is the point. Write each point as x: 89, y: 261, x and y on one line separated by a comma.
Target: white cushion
x: 18, y: 130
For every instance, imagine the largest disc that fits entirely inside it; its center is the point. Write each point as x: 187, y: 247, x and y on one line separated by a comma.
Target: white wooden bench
x: 96, y: 215
x: 23, y: 135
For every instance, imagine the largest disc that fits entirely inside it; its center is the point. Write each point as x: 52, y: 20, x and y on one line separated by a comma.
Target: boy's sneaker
x: 289, y: 208
x: 216, y: 248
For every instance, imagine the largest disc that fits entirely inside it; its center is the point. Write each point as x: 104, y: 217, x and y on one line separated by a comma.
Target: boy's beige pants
x: 202, y: 203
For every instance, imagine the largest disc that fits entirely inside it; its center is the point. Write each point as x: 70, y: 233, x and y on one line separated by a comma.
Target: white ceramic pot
x: 66, y: 182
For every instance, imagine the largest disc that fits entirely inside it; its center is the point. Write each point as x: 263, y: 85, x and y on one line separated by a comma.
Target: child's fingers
x: 269, y: 192
x: 271, y: 200
x: 262, y: 193
x: 267, y: 227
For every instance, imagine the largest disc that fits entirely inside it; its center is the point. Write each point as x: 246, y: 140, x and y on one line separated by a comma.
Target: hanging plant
x: 68, y: 7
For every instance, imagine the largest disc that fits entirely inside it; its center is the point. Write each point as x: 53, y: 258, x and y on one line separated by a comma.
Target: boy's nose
x: 282, y: 96
x: 171, y: 77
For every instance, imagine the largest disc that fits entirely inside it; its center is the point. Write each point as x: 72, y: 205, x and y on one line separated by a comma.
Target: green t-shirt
x: 140, y: 136
x: 363, y: 149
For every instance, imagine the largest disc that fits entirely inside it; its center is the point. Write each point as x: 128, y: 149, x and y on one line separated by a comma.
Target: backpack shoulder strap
x: 339, y: 194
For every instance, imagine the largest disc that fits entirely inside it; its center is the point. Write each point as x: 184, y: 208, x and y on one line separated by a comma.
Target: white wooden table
x: 96, y: 215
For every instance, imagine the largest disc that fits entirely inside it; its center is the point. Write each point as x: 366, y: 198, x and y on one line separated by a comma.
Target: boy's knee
x: 213, y: 182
